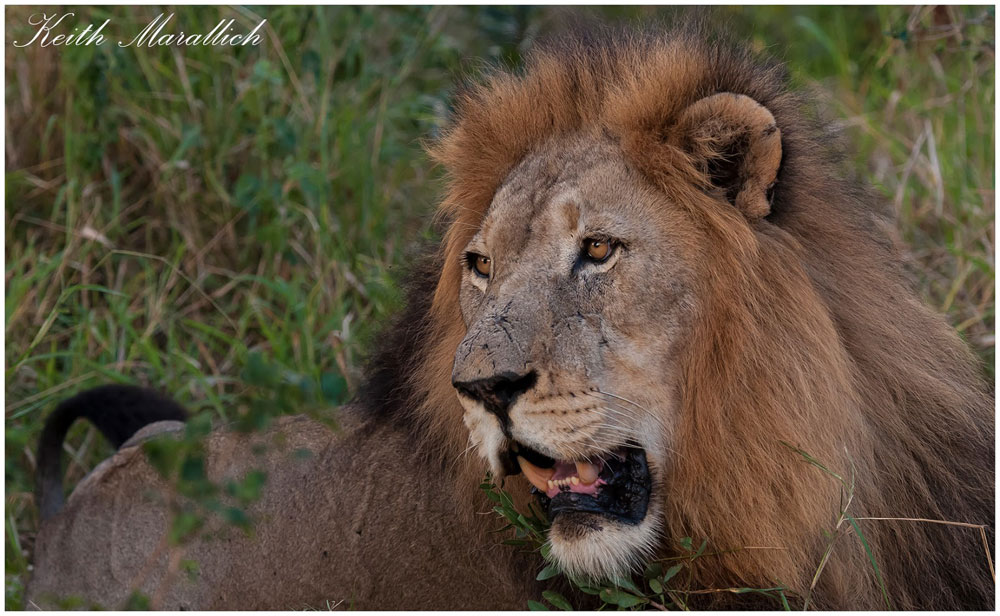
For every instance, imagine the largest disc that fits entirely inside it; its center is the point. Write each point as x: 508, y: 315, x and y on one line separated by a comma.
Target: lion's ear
x: 737, y: 144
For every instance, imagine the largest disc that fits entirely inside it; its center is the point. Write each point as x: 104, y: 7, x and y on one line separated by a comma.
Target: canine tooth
x: 551, y: 484
x: 588, y: 472
x: 537, y: 476
x: 574, y: 480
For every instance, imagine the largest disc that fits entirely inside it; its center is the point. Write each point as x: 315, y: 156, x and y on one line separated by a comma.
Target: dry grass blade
x: 981, y: 527
x: 178, y: 272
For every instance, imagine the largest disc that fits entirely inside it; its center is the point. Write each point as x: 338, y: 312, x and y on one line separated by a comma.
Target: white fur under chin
x: 615, y: 551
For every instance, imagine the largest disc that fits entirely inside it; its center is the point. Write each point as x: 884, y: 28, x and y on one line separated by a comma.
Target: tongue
x: 566, y: 472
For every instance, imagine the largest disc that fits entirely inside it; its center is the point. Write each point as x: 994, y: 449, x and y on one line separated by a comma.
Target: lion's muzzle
x: 497, y: 393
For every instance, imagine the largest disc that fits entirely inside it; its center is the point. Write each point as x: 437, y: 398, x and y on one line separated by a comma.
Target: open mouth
x: 615, y: 486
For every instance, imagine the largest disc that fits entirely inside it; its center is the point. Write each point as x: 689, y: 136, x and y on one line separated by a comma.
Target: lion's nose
x: 498, y: 392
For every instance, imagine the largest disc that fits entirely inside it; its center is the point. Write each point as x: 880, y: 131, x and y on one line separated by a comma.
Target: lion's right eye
x: 480, y: 264
x: 598, y: 250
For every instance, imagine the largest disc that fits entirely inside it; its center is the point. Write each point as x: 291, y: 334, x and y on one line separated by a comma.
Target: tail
x: 118, y: 411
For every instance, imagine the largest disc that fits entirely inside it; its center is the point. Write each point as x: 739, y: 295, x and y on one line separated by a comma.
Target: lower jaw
x: 623, y: 497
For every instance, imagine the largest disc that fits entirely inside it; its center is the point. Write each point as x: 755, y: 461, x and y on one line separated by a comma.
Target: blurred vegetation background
x: 226, y: 224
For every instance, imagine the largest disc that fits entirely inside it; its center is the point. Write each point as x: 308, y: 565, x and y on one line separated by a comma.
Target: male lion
x: 655, y: 303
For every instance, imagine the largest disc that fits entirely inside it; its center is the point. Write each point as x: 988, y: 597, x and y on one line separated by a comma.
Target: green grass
x: 226, y: 225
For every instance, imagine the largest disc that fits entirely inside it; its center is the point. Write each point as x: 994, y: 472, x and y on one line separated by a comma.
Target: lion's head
x: 578, y: 289
x: 653, y: 287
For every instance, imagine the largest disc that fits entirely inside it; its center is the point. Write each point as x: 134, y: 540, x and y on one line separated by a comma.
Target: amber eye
x: 480, y: 264
x: 598, y: 250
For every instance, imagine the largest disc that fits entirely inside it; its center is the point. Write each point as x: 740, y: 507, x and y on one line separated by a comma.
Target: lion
x: 658, y: 311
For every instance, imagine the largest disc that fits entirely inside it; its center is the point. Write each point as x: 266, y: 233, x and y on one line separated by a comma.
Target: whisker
x: 620, y: 411
x: 458, y: 459
x: 623, y: 399
x: 668, y: 448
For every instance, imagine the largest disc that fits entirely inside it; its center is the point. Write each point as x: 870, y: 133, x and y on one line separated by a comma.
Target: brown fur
x: 807, y: 333
x: 813, y: 336
x: 348, y: 520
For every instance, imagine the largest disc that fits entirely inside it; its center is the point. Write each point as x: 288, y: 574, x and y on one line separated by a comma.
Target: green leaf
x: 655, y: 586
x: 193, y: 468
x: 190, y: 567
x: 686, y: 544
x: 163, y: 454
x: 137, y: 601
x: 516, y: 542
x: 784, y: 601
x: 557, y: 600
x: 198, y: 426
x: 535, y: 606
x: 621, y: 598
x: 248, y: 490
x: 504, y: 513
x: 183, y: 526
x: 653, y: 570
x: 549, y: 571
x: 627, y: 584
x: 871, y: 558
x: 333, y: 386
x: 237, y: 517
x: 701, y: 549
x: 505, y: 501
x: 671, y: 572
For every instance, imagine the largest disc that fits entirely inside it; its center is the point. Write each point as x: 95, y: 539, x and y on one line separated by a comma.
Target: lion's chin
x: 593, y: 547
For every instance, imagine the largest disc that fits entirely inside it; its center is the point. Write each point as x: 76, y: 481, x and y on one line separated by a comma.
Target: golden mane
x: 810, y: 333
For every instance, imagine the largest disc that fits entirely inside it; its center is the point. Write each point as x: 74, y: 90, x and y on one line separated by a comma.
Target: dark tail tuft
x: 118, y: 411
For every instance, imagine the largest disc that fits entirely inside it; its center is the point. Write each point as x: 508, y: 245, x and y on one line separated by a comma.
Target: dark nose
x: 498, y: 392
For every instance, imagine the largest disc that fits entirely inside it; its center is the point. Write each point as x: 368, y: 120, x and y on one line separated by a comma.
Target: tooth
x: 537, y: 476
x: 588, y: 472
x: 551, y: 485
x: 575, y: 480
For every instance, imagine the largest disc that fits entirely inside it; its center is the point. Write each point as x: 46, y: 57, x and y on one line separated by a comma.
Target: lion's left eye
x: 480, y: 264
x: 598, y: 250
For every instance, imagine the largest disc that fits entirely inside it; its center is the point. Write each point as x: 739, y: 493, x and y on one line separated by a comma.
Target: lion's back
x: 112, y: 536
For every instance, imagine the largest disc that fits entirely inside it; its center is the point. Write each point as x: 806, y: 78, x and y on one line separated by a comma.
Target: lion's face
x: 576, y: 295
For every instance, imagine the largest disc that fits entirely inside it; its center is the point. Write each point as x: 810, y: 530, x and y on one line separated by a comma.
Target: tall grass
x: 225, y: 225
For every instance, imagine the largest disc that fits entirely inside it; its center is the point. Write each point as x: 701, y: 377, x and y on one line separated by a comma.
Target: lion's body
x: 802, y: 330
x: 354, y: 518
